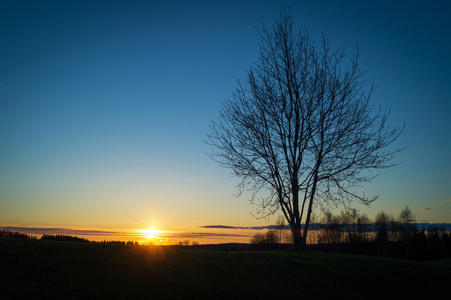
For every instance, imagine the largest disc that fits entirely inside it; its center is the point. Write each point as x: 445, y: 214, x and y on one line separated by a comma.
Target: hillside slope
x: 56, y: 270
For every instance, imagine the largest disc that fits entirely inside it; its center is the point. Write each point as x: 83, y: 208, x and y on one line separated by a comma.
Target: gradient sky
x: 104, y: 106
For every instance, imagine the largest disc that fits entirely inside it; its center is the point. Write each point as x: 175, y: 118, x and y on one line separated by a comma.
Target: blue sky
x: 104, y: 105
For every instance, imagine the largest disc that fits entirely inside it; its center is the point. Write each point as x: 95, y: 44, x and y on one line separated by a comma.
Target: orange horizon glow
x: 152, y: 236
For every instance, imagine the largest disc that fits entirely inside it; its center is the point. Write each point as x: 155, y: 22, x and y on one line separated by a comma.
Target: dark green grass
x: 34, y: 269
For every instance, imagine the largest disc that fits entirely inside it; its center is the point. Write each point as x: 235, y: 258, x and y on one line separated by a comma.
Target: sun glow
x: 151, y: 233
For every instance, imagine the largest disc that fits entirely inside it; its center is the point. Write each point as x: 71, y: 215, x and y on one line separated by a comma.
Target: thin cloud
x: 241, y: 227
x: 268, y: 227
x: 429, y: 208
x: 222, y: 227
x: 197, y: 235
x: 446, y: 200
x: 66, y: 231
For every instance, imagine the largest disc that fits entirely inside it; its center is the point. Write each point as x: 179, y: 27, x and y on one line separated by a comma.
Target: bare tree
x: 407, y: 229
x: 384, y: 225
x: 302, y: 130
x: 280, y: 227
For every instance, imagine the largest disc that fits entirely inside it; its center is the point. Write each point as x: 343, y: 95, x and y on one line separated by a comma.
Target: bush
x: 267, y: 241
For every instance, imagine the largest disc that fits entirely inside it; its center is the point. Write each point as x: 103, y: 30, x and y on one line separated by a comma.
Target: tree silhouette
x: 302, y: 130
x: 407, y: 229
x: 267, y: 241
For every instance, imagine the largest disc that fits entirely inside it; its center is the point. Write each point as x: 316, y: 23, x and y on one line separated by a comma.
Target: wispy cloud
x: 446, y: 200
x: 241, y: 227
x: 429, y: 208
x: 202, y: 235
x: 66, y: 231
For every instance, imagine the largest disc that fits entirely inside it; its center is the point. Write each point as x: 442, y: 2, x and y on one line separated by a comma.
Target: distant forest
x: 59, y: 238
x: 354, y: 233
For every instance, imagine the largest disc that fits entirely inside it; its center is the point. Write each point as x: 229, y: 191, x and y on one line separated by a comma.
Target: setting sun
x: 151, y: 233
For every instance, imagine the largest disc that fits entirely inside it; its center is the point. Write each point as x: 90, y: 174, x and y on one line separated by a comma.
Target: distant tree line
x: 385, y: 236
x: 187, y: 244
x: 129, y: 243
x: 63, y: 238
x: 69, y: 238
x: 60, y: 238
x: 15, y: 235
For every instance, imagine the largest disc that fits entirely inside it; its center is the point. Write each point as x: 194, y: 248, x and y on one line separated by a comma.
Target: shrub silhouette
x: 267, y: 241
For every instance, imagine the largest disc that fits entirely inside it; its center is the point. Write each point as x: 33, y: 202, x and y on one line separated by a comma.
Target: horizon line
x: 38, y: 230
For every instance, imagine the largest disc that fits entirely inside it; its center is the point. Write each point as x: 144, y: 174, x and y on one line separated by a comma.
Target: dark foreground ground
x: 35, y: 269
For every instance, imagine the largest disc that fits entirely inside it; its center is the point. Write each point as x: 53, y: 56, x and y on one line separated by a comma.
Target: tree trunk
x: 297, y: 236
x: 307, y: 222
x: 309, y: 211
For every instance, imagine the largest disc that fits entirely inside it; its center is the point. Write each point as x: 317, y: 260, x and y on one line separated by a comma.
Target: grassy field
x: 35, y: 269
